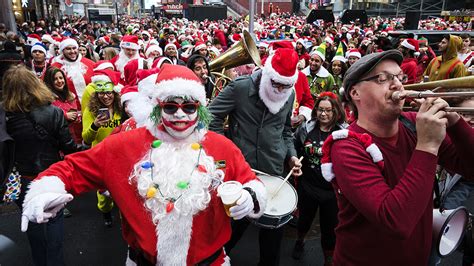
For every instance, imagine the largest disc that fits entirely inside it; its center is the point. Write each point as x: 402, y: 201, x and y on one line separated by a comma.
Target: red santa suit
x: 166, y: 190
x: 78, y: 73
x: 304, y: 102
x: 120, y: 60
x: 409, y: 66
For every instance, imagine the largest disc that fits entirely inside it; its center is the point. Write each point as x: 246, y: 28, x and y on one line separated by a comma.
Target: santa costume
x: 162, y: 177
x: 78, y: 73
x: 409, y: 65
x: 120, y: 60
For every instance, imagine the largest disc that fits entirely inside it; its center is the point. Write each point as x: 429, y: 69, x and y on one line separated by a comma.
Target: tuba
x: 243, y: 52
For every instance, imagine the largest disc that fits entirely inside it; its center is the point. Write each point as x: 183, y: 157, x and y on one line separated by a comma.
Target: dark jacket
x: 7, y: 149
x: 8, y: 57
x: 39, y: 136
x: 264, y: 138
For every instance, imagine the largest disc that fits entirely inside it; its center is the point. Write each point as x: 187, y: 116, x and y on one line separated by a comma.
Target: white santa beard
x: 75, y: 71
x: 174, y: 162
x: 123, y: 60
x: 270, y: 96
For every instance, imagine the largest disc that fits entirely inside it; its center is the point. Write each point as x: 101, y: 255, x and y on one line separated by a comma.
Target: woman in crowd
x: 101, y: 116
x: 55, y: 79
x: 338, y: 69
x: 41, y: 133
x: 302, y: 54
x: 313, y: 190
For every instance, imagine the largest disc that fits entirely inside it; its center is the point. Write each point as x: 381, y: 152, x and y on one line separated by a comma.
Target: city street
x: 89, y: 242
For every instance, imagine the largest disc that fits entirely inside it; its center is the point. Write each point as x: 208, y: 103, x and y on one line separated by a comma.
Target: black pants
x: 308, y: 206
x: 269, y: 241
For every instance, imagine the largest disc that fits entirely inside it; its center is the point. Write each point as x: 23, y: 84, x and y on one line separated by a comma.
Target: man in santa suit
x: 162, y: 175
x: 129, y: 51
x: 78, y: 69
x: 410, y: 50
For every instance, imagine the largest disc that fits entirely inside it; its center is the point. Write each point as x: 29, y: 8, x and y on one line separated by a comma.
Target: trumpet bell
x: 244, y: 52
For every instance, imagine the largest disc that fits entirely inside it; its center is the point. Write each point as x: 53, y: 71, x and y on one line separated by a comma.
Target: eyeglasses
x: 105, y: 93
x: 327, y: 111
x: 278, y: 85
x: 172, y: 107
x: 384, y: 77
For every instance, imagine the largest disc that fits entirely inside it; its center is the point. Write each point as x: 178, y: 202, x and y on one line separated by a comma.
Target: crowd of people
x: 132, y: 110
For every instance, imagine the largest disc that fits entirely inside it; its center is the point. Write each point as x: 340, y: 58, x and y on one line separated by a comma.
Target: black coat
x: 39, y: 136
x: 7, y: 149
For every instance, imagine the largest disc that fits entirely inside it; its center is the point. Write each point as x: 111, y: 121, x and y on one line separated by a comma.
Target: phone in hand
x: 104, y: 112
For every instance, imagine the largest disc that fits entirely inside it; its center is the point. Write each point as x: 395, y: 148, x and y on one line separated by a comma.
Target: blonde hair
x: 109, y: 53
x: 25, y: 93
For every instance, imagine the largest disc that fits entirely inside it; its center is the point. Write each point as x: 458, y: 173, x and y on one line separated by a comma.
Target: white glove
x: 43, y: 207
x: 244, y: 206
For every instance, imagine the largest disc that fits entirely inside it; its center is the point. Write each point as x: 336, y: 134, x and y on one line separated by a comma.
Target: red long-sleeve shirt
x: 385, y: 218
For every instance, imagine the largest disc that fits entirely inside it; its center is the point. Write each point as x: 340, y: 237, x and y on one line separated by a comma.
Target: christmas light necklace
x: 183, y: 185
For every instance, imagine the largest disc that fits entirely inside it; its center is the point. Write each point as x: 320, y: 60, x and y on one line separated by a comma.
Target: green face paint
x: 103, y: 86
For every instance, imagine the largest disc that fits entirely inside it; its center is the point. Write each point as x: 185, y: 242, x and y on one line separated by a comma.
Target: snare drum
x: 279, y: 207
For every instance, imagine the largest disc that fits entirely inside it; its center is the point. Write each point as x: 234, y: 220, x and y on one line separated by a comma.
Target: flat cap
x: 366, y: 64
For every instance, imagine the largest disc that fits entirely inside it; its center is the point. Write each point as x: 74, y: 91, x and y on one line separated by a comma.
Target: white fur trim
x: 305, y: 111
x: 128, y: 261
x: 118, y: 88
x: 226, y: 261
x: 275, y: 76
x: 46, y: 184
x: 170, y: 44
x: 326, y: 170
x: 130, y: 45
x: 99, y: 78
x: 355, y: 54
x: 38, y: 47
x: 140, y: 63
x: 340, y: 134
x: 153, y: 48
x: 104, y: 66
x: 341, y: 90
x: 318, y: 53
x: 406, y: 44
x: 261, y: 193
x: 66, y: 43
x: 339, y: 58
x: 375, y: 153
x: 323, y: 72
x: 200, y: 46
x: 128, y: 96
x: 180, y: 87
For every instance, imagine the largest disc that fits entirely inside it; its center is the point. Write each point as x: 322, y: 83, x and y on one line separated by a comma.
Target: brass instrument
x: 456, y: 83
x: 465, y: 110
x: 396, y: 96
x: 244, y: 52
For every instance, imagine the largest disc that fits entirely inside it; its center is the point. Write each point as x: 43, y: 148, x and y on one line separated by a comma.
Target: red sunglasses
x: 172, y: 107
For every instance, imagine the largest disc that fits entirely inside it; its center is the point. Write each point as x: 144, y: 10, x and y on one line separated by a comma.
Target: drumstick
x: 260, y: 172
x: 286, y: 178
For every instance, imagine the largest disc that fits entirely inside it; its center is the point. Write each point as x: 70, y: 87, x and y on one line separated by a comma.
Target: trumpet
x: 398, y: 95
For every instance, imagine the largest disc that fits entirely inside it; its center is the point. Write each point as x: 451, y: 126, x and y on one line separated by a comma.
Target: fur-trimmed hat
x: 354, y: 52
x: 130, y: 42
x: 102, y: 64
x: 106, y: 75
x: 67, y: 42
x: 32, y: 39
x: 411, y: 44
x: 282, y: 66
x: 38, y: 47
x: 128, y: 93
x: 199, y: 46
x: 153, y: 48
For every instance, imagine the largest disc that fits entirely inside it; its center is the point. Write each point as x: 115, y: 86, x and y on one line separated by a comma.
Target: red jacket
x: 410, y: 67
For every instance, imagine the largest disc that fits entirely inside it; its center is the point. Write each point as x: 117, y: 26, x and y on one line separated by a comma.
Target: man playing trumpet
x: 383, y: 168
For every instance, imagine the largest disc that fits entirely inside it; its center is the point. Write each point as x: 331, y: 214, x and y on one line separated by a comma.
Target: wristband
x: 256, y: 205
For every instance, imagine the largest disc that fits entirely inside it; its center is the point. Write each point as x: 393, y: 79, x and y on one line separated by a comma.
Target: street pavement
x: 89, y: 242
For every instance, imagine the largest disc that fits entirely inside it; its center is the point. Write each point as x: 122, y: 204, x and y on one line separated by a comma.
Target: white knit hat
x: 67, y: 42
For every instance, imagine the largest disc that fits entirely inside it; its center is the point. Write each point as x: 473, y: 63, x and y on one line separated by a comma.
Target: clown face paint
x: 179, y: 124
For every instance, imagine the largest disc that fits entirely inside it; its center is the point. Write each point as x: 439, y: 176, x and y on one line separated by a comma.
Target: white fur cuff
x: 375, y: 153
x: 306, y: 112
x: 326, y: 170
x: 261, y: 193
x: 340, y: 134
x: 44, y: 185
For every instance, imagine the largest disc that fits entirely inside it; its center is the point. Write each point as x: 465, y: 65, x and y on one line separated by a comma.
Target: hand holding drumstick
x: 295, y: 170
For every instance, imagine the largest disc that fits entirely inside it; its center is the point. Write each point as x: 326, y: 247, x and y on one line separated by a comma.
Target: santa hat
x: 130, y: 71
x: 199, y: 46
x: 153, y: 48
x: 354, y: 52
x: 320, y: 51
x: 235, y: 37
x: 38, y: 47
x: 144, y: 32
x: 280, y: 44
x: 47, y: 38
x: 262, y: 45
x: 176, y: 80
x: 282, y: 66
x: 130, y: 42
x: 66, y: 43
x: 32, y: 39
x: 411, y: 44
x: 301, y: 41
x: 366, y: 141
x: 329, y: 40
x: 158, y: 62
x: 105, y: 39
x: 339, y: 54
x: 106, y: 75
x: 128, y: 93
x: 103, y: 64
x: 169, y: 45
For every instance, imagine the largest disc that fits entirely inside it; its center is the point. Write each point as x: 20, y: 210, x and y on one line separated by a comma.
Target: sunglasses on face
x: 279, y: 85
x: 172, y: 107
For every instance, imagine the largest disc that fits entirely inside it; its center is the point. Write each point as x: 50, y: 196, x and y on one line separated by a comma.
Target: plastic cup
x: 229, y: 192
